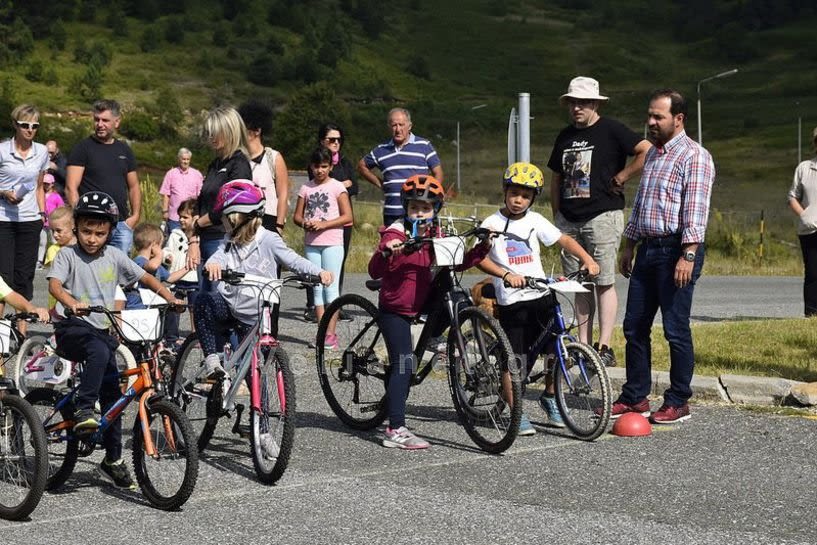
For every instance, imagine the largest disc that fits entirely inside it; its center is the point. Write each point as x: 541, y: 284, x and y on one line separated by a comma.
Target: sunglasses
x: 573, y: 102
x: 332, y: 140
x: 26, y: 125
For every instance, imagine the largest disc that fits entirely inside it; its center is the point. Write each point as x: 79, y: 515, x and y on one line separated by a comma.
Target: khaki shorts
x: 600, y: 237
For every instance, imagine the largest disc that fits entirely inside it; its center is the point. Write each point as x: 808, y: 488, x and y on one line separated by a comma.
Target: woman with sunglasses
x: 330, y: 136
x: 23, y: 163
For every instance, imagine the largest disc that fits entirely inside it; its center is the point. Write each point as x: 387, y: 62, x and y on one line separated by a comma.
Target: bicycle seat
x: 373, y: 285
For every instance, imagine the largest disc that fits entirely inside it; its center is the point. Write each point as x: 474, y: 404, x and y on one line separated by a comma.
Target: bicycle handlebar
x: 414, y: 243
x: 22, y: 316
x: 532, y: 282
x: 299, y: 281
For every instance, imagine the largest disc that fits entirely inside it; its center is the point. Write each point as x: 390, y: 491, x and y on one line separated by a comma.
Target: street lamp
x: 710, y: 78
x: 457, y: 143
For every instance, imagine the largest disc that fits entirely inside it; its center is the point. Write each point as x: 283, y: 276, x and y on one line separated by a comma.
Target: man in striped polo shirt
x: 399, y: 158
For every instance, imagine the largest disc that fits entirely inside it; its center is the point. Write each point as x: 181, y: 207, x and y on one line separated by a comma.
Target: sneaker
x: 670, y: 415
x: 269, y: 446
x: 608, y: 357
x: 212, y: 367
x: 619, y: 408
x: 548, y: 404
x: 438, y: 344
x: 310, y: 316
x: 403, y: 438
x: 331, y: 342
x: 85, y: 421
x: 344, y: 316
x: 525, y: 427
x: 117, y: 473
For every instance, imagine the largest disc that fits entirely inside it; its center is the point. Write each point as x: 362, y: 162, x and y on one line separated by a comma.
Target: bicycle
x: 258, y: 358
x: 38, y: 365
x: 165, y: 457
x: 477, y: 355
x: 23, y: 448
x: 582, y: 385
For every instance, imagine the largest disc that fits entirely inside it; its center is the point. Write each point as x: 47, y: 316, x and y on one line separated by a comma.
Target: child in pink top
x: 53, y: 200
x: 322, y: 210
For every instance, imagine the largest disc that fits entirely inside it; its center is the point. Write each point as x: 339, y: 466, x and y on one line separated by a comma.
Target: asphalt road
x: 726, y: 476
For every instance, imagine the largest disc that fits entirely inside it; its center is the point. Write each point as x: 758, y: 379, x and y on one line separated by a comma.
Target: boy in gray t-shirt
x: 85, y: 275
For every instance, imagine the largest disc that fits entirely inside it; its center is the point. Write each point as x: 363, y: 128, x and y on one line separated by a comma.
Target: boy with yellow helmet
x: 515, y: 255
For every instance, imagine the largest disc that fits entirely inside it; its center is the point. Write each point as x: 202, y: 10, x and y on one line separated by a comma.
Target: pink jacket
x: 407, y: 278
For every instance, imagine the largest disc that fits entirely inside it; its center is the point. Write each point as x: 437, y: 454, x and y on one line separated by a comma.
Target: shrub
x: 174, y: 30
x: 264, y: 70
x: 418, y: 66
x: 140, y: 125
x: 36, y: 71
x: 89, y: 85
x: 150, y: 40
x: 59, y: 36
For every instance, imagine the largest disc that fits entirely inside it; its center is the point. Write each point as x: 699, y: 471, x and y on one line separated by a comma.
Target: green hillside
x: 351, y: 60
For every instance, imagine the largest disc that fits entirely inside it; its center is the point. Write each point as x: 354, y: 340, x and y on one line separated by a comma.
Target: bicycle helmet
x: 97, y: 204
x: 240, y: 196
x: 421, y: 187
x: 523, y: 175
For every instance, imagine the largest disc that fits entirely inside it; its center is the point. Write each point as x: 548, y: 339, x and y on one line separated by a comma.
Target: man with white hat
x: 589, y: 164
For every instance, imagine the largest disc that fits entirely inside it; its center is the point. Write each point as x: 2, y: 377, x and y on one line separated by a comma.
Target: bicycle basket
x: 449, y: 251
x: 141, y: 324
x: 6, y: 338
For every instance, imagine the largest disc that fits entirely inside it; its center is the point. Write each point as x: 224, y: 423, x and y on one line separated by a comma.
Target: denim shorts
x: 600, y: 237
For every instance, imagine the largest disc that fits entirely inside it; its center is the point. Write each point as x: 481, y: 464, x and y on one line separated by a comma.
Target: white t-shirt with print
x: 517, y: 250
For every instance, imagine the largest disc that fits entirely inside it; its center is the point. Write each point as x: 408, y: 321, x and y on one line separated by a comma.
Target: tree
x: 294, y: 130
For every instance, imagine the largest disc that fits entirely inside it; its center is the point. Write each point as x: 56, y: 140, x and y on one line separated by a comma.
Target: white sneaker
x: 212, y: 366
x: 269, y: 446
x: 403, y: 438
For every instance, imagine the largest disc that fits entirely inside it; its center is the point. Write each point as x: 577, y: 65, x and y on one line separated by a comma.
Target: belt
x: 669, y: 240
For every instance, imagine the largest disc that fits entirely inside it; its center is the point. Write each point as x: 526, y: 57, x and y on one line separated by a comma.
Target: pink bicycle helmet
x: 240, y: 196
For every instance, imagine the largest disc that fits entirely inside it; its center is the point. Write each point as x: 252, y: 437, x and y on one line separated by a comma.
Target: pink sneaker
x: 403, y: 438
x: 331, y: 341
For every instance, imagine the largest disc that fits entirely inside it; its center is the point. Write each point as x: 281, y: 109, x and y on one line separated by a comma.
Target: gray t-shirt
x: 93, y: 279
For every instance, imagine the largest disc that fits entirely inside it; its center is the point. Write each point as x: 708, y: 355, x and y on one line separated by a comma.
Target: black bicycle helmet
x: 97, y: 204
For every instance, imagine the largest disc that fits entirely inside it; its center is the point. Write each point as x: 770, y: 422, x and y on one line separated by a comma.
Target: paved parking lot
x: 726, y: 476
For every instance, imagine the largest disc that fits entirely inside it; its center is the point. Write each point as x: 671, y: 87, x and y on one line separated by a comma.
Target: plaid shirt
x: 673, y: 197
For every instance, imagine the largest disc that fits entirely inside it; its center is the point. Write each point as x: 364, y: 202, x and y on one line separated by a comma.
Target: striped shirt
x: 673, y: 197
x: 415, y: 156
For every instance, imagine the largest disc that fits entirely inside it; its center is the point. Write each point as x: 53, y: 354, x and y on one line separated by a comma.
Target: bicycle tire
x: 276, y: 420
x: 201, y: 400
x: 476, y: 381
x: 39, y: 344
x: 584, y: 397
x: 358, y: 368
x: 23, y: 476
x: 174, y: 441
x: 63, y: 448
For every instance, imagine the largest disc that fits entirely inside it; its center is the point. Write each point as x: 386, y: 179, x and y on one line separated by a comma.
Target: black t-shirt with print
x: 587, y: 158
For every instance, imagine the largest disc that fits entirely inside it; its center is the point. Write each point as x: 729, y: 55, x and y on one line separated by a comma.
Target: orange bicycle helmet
x: 422, y: 187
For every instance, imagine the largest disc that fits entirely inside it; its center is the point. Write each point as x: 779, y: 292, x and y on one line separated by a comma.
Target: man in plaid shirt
x: 667, y: 225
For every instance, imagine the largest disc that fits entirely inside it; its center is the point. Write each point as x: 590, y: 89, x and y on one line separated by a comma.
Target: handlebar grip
x: 313, y: 279
x: 231, y: 276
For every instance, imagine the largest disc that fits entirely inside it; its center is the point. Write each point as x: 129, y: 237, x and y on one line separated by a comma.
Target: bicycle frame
x: 141, y: 388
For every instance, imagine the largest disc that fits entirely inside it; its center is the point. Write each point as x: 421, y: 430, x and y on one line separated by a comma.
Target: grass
x: 785, y: 351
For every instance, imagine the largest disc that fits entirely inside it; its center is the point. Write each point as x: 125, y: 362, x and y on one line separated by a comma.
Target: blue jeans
x: 122, y: 237
x: 652, y: 286
x: 208, y: 247
x: 170, y: 225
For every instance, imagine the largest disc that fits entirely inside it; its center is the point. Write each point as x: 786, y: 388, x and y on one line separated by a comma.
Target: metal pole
x: 799, y: 139
x: 700, y: 138
x: 458, y: 157
x: 523, y: 152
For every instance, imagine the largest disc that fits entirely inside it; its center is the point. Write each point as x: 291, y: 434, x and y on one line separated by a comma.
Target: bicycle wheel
x: 168, y: 477
x: 23, y: 458
x: 36, y: 365
x: 199, y: 398
x: 475, y: 378
x: 352, y: 377
x: 63, y: 448
x: 583, y: 391
x: 273, y: 428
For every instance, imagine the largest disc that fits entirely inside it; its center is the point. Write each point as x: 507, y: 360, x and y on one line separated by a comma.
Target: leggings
x: 214, y: 322
x: 347, y: 241
x: 328, y: 258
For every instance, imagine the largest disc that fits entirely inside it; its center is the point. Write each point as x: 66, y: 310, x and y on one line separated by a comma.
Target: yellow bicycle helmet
x: 524, y: 175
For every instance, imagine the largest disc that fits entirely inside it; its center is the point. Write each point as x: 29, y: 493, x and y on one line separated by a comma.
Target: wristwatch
x: 689, y: 256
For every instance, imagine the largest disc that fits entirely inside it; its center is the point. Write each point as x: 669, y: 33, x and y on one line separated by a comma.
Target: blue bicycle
x: 581, y: 382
